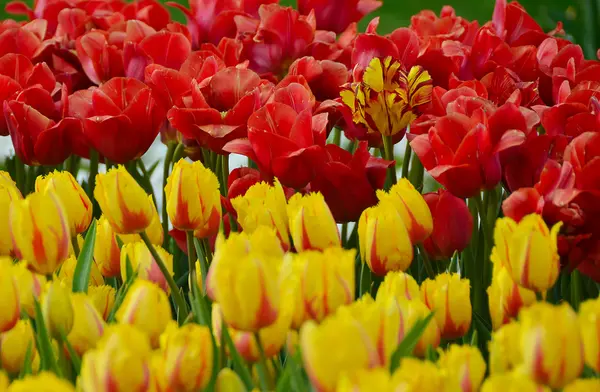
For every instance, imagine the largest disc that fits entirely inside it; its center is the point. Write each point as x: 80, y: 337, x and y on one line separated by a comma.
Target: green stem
x: 344, y: 234
x: 189, y: 234
x: 416, y: 173
x: 166, y: 170
x: 71, y: 164
x: 75, y: 244
x: 539, y: 296
x: 20, y: 174
x: 92, y: 173
x: 202, y: 261
x: 179, y: 300
x: 179, y: 152
x: 337, y: 136
x: 426, y: 261
x: 263, y: 371
x: 388, y: 153
x: 406, y: 160
x: 575, y: 289
x: 224, y: 173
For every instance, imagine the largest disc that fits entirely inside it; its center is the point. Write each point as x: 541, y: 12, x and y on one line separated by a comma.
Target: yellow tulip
x: 528, y: 250
x: 583, y: 385
x: 414, y: 375
x: 229, y: 381
x: 399, y: 285
x: 463, y: 366
x: 154, y: 231
x: 147, y: 307
x: 505, y: 350
x: 551, y: 344
x: 103, y: 298
x: 88, y: 324
x: 327, y: 355
x: 10, y: 306
x: 76, y: 202
x: 264, y: 205
x: 311, y: 223
x: 30, y: 286
x: 589, y: 321
x: 42, y: 382
x: 124, y: 203
x: 14, y: 345
x: 512, y: 382
x: 412, y: 208
x: 67, y: 270
x: 57, y: 309
x: 106, y: 250
x: 144, y: 264
x: 384, y: 240
x: 157, y: 367
x: 449, y: 296
x: 8, y: 193
x: 188, y: 356
x: 119, y: 363
x: 40, y: 231
x: 193, y: 198
x: 364, y: 381
x: 413, y: 311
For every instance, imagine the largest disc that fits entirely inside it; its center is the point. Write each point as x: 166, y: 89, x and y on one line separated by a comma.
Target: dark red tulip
x: 325, y: 77
x: 150, y: 12
x: 337, y: 15
x: 584, y: 155
x: 100, y: 60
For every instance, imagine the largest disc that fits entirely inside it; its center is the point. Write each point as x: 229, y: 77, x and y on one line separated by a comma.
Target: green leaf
x: 483, y: 328
x: 474, y: 338
x: 75, y: 360
x: 26, y: 369
x: 47, y: 358
x: 407, y: 345
x: 81, y: 277
x: 121, y: 293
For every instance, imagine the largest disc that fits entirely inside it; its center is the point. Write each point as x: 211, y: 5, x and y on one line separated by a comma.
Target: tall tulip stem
x: 189, y: 235
x: 426, y: 261
x: 181, y: 305
x: 388, y: 153
x: 263, y: 370
x: 406, y: 160
x: 93, y: 171
x: 166, y: 170
x: 76, y: 249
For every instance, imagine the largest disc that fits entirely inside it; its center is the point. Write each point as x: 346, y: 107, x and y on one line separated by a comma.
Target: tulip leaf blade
x: 47, y: 358
x: 408, y: 344
x: 26, y: 369
x: 83, y: 269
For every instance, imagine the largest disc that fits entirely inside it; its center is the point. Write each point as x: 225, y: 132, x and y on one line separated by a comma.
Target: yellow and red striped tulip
x: 193, y: 198
x: 505, y: 297
x: 413, y: 311
x: 412, y: 208
x: 57, y: 309
x: 229, y: 381
x: 505, y: 348
x: 415, y: 375
x: 551, y: 344
x: 8, y: 193
x: 106, y: 251
x: 10, y: 305
x: 88, y: 325
x: 528, y: 250
x: 14, y: 345
x: 589, y: 322
x: 147, y: 307
x: 384, y: 240
x: 30, y: 286
x: 464, y: 367
x: 124, y: 203
x: 144, y: 264
x: 40, y: 231
x: 188, y: 358
x: 44, y: 381
x: 154, y: 231
x: 512, y: 382
x: 67, y: 271
x: 264, y: 205
x: 583, y: 385
x: 449, y: 296
x: 312, y: 225
x: 76, y: 202
x: 399, y: 285
x: 364, y: 380
x: 103, y: 298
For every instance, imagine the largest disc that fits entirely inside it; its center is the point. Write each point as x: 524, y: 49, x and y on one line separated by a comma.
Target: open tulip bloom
x: 328, y: 261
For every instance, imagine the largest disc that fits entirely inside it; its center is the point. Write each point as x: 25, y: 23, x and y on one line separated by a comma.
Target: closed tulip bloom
x: 124, y: 203
x: 506, y: 297
x: 188, y: 355
x: 528, y: 250
x: 318, y: 342
x: 30, y: 286
x: 384, y: 240
x: 77, y: 204
x: 264, y: 205
x: 193, y: 198
x: 414, y: 375
x: 583, y: 385
x: 512, y: 382
x: 154, y: 231
x: 8, y: 193
x: 103, y: 298
x: 67, y: 270
x: 40, y: 231
x: 412, y: 208
x: 464, y: 366
x: 10, y: 306
x: 57, y: 309
x: 551, y: 344
x: 14, y: 345
x: 229, y: 381
x: 106, y: 251
x: 449, y: 296
x: 399, y: 285
x: 589, y: 321
x: 119, y: 363
x: 146, y: 307
x: 144, y: 264
x: 413, y: 311
x: 42, y: 382
x: 311, y: 223
x: 88, y: 325
x: 505, y: 349
x: 364, y: 380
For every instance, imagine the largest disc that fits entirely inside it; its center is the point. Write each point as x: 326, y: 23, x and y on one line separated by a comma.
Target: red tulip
x: 337, y: 15
x: 100, y: 60
x: 325, y: 77
x: 25, y: 40
x: 295, y: 92
x: 123, y: 109
x: 433, y: 30
x: 452, y: 224
x: 584, y: 155
x: 150, y: 12
x: 240, y: 180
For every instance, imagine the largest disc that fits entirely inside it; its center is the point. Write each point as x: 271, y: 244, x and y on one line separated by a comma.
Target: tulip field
x: 418, y: 207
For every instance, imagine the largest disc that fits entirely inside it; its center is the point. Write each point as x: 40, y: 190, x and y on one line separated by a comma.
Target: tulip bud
x: 452, y: 224
x: 124, y: 203
x: 120, y: 362
x: 311, y: 223
x: 154, y: 231
x: 40, y: 231
x: 505, y: 350
x: 14, y: 345
x: 144, y: 264
x: 88, y: 324
x: 193, y: 198
x: 103, y: 298
x: 229, y: 381
x: 551, y: 344
x: 147, y: 307
x: 8, y: 193
x: 318, y: 342
x: 512, y: 382
x: 589, y: 321
x: 413, y: 311
x: 449, y: 296
x: 44, y: 381
x: 528, y: 250
x: 384, y: 240
x: 416, y: 375
x: 10, y: 306
x: 364, y: 380
x: 506, y: 297
x: 67, y: 271
x: 264, y: 205
x: 106, y: 251
x: 30, y: 286
x: 398, y: 285
x: 583, y: 385
x: 464, y: 366
x: 188, y: 355
x: 77, y: 204
x: 412, y: 209
x: 57, y: 309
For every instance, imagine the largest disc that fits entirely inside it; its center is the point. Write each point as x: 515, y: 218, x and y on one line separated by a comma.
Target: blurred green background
x: 580, y: 17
